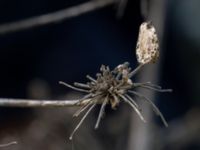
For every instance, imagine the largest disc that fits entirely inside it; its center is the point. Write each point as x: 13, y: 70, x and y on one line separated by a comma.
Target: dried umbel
x: 147, y: 49
x: 112, y: 87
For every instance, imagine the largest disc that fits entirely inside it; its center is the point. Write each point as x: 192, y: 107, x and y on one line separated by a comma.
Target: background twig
x: 6, y: 102
x: 55, y: 16
x: 8, y: 144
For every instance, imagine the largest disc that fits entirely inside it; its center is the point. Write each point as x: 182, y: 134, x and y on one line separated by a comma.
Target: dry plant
x: 110, y: 86
x: 113, y: 86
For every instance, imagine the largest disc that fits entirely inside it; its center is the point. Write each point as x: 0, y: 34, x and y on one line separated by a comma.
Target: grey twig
x: 8, y: 144
x: 55, y: 16
x: 8, y: 102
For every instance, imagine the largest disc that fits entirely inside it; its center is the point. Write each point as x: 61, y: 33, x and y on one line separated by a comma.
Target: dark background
x: 32, y: 62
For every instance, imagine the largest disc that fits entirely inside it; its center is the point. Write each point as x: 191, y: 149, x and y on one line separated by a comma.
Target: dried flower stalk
x: 114, y: 86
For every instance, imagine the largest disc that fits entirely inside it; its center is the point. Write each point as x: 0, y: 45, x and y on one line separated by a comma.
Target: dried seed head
x: 147, y: 49
x: 112, y: 87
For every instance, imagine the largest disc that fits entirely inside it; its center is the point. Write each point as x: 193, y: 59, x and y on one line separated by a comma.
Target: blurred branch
x: 154, y: 11
x: 55, y: 16
x: 8, y: 102
x: 121, y: 7
x: 8, y: 144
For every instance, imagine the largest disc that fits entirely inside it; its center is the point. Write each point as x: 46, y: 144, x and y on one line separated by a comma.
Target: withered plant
x: 114, y: 86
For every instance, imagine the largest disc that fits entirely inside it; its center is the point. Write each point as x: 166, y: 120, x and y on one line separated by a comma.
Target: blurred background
x: 33, y: 60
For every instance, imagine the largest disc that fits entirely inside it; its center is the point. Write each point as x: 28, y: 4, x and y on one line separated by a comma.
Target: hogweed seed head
x: 112, y: 87
x: 147, y: 49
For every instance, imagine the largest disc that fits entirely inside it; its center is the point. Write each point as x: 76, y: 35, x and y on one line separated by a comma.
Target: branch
x: 8, y: 144
x: 8, y: 102
x: 121, y: 7
x: 55, y: 16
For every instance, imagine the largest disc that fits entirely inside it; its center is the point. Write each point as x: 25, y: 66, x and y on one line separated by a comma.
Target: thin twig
x: 8, y: 144
x: 101, y: 112
x: 72, y: 87
x: 54, y: 17
x: 9, y: 102
x: 81, y: 85
x: 134, y: 107
x: 136, y: 70
x: 156, y: 89
x: 91, y: 78
x: 155, y: 108
x: 134, y: 103
x: 147, y: 84
x: 83, y: 108
x: 79, y: 124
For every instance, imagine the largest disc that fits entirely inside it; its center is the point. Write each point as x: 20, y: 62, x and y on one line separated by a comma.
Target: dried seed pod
x: 147, y: 49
